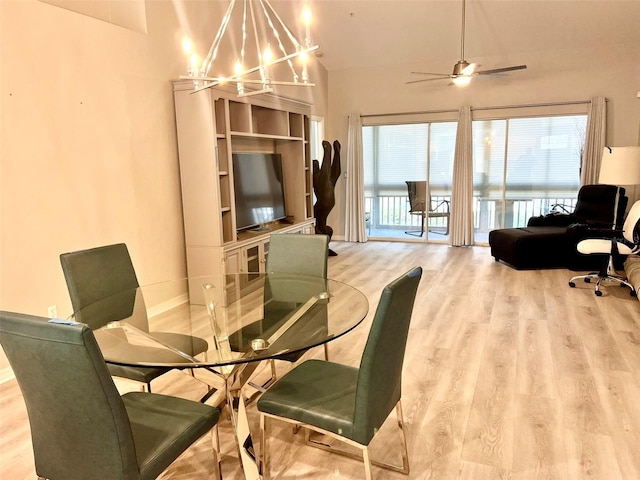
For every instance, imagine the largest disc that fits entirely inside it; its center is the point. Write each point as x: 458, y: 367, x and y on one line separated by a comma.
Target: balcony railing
x: 392, y: 212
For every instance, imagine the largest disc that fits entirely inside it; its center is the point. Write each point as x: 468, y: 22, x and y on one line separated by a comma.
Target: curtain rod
x: 552, y: 104
x: 408, y: 113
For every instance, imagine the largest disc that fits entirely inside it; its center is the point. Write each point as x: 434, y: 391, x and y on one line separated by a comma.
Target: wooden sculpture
x: 324, y: 182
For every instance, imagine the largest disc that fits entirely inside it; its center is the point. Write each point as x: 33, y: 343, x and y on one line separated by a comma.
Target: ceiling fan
x: 464, y: 71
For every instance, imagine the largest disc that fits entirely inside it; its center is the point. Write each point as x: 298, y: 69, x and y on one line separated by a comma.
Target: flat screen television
x: 259, y: 188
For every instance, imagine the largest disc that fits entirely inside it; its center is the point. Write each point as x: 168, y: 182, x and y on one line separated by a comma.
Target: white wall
x: 556, y: 76
x: 88, y: 147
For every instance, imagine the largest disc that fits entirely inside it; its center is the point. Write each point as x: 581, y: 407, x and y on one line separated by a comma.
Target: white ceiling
x: 373, y: 33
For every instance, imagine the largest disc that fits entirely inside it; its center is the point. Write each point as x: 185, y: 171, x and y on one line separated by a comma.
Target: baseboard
x: 168, y: 305
x: 6, y: 374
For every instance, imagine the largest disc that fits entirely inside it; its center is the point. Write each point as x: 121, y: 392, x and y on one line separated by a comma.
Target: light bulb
x: 306, y: 16
x: 462, y: 80
x: 237, y: 68
x: 267, y: 56
x: 193, y: 61
x: 187, y: 45
x: 306, y: 20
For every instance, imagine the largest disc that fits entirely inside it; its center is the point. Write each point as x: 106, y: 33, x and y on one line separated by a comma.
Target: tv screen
x: 259, y: 190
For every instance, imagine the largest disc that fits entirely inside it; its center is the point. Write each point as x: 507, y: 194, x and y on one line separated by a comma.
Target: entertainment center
x: 216, y: 129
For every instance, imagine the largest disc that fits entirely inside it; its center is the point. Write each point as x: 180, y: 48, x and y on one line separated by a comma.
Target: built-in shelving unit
x: 213, y: 124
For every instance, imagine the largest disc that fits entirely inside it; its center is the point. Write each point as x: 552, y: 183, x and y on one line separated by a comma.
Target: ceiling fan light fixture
x: 464, y: 71
x: 461, y: 80
x: 461, y: 68
x: 469, y: 69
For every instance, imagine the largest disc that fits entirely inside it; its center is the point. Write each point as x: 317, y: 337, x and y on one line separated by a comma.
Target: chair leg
x: 263, y: 458
x: 403, y: 438
x: 367, y: 463
x: 417, y: 233
x: 215, y: 439
x: 606, y: 274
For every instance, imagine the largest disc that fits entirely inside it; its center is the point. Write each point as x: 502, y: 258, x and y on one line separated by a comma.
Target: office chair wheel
x: 587, y: 280
x: 572, y: 284
x: 598, y: 293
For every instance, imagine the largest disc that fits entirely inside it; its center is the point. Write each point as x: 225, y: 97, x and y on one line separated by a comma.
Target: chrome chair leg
x: 387, y: 466
x: 599, y: 277
x: 215, y: 439
x: 263, y: 457
x: 367, y: 463
x: 403, y: 438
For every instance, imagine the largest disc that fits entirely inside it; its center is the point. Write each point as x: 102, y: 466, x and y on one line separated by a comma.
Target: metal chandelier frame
x: 252, y: 11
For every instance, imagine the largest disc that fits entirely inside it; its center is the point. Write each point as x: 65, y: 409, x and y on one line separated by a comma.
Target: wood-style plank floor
x: 508, y: 375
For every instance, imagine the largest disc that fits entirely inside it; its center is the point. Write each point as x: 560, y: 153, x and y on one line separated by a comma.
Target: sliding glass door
x: 421, y: 153
x: 524, y: 167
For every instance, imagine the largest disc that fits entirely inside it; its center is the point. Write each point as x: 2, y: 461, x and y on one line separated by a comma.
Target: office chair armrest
x: 605, y: 232
x: 581, y: 231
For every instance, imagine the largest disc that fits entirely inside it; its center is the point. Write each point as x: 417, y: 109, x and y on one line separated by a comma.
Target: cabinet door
x: 264, y: 253
x: 233, y: 262
x: 253, y: 258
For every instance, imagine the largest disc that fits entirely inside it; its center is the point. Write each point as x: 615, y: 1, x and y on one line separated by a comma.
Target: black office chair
x: 101, y: 272
x: 350, y: 403
x: 81, y: 427
x: 420, y: 205
x: 616, y: 242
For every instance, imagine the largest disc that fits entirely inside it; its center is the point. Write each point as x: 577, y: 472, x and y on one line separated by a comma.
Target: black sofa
x: 549, y: 241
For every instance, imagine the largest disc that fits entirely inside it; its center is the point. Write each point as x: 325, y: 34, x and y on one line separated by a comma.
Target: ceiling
x: 374, y: 33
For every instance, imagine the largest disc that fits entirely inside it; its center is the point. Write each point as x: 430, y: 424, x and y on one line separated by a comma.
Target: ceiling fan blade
x: 464, y: 71
x: 429, y: 73
x: 501, y: 70
x: 443, y: 77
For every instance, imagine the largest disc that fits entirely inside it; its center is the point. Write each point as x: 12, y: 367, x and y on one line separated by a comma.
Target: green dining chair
x: 299, y: 254
x: 346, y: 402
x: 98, y: 273
x: 80, y: 425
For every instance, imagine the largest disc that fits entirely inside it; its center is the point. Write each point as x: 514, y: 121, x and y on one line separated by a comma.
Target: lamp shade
x: 620, y: 166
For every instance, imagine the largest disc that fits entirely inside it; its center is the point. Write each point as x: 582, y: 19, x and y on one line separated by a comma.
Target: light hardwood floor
x: 508, y: 375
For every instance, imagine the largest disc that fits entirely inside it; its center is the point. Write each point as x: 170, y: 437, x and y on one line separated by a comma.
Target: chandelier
x: 262, y: 36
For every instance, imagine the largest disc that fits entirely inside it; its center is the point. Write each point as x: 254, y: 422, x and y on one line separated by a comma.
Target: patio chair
x: 418, y: 205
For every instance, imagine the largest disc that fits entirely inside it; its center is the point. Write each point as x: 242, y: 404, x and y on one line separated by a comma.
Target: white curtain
x: 595, y: 139
x: 462, y: 189
x: 355, y: 223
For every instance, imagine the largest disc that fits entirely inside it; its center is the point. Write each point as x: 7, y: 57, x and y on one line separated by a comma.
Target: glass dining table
x: 238, y: 321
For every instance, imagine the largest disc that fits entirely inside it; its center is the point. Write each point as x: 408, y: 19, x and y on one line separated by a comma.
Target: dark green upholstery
x: 81, y: 427
x: 296, y: 254
x: 299, y: 254
x: 102, y: 272
x: 352, y: 402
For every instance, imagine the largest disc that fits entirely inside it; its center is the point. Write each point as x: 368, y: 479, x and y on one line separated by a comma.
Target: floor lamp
x: 620, y: 166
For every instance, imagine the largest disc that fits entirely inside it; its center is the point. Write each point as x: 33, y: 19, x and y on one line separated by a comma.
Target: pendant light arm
x: 276, y: 34
x: 213, y: 51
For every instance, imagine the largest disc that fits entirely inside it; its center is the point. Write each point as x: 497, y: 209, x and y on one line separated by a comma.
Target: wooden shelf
x: 265, y: 135
x: 212, y: 125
